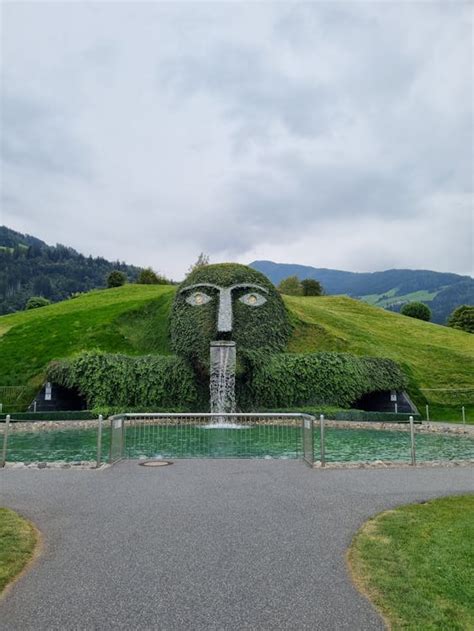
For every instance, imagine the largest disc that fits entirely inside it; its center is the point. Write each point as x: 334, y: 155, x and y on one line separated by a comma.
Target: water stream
x: 222, y: 379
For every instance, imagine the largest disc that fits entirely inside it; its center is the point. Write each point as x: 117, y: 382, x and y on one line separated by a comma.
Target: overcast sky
x: 330, y: 134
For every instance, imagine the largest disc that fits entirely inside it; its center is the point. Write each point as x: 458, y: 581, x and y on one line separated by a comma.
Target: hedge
x: 292, y: 380
x: 118, y: 382
x: 124, y: 381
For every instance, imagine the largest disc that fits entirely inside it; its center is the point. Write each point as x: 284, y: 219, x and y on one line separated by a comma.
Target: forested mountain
x: 30, y: 267
x: 442, y: 292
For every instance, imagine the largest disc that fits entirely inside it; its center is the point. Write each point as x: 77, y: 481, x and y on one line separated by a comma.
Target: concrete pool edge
x: 434, y: 427
x: 376, y: 464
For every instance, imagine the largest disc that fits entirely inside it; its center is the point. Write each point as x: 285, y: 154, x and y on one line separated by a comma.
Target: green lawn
x: 134, y: 319
x: 416, y: 564
x: 18, y: 539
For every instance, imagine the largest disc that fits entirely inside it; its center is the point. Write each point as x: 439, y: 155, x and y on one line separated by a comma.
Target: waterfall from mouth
x: 222, y: 376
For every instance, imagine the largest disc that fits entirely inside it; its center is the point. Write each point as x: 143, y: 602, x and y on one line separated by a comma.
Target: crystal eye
x: 253, y: 300
x: 198, y: 298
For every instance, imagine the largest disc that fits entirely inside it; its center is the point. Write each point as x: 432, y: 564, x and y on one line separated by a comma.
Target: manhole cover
x: 155, y: 463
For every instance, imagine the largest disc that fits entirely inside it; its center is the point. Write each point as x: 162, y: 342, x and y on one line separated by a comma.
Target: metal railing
x: 60, y: 441
x: 248, y: 435
x: 322, y: 441
x: 251, y: 435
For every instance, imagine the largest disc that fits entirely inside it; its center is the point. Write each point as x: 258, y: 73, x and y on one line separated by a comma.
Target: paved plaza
x: 202, y: 544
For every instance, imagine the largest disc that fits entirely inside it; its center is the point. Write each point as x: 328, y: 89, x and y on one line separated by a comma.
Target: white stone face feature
x: 225, y: 315
x: 253, y: 300
x: 198, y: 298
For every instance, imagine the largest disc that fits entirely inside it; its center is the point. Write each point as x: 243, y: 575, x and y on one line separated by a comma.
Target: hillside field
x: 133, y: 319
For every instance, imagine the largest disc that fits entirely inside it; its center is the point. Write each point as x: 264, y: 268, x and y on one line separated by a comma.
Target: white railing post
x: 427, y: 412
x: 322, y: 446
x: 5, y: 440
x: 412, y: 441
x: 99, y: 440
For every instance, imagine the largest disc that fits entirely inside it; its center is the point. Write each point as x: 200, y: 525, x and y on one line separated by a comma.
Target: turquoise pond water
x: 342, y: 445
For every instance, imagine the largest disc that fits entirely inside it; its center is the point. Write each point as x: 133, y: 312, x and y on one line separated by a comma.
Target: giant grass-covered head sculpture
x: 227, y: 302
x: 221, y: 309
x: 228, y: 321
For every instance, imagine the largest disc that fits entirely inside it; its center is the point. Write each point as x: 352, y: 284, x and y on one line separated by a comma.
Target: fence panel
x: 210, y: 436
x: 117, y: 436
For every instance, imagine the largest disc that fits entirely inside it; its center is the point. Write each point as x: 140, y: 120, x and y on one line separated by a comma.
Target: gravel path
x: 202, y: 544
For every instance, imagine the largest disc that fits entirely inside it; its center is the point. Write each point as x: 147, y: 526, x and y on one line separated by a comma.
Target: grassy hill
x: 134, y: 319
x: 440, y: 365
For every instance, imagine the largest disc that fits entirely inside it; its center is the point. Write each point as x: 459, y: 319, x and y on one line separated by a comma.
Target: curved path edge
x: 35, y: 556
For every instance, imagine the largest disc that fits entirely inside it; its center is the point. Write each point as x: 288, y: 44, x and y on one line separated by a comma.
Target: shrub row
x: 119, y: 382
x: 292, y: 380
x: 124, y: 381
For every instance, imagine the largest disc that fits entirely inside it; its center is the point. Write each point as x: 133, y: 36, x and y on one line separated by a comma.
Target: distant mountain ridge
x: 389, y: 289
x: 30, y: 267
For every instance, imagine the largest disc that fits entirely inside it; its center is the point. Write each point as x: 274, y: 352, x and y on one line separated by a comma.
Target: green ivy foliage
x: 120, y: 380
x: 192, y: 328
x: 292, y: 380
x: 270, y: 381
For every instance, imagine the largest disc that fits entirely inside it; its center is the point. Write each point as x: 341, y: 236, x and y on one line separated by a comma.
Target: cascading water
x: 222, y: 376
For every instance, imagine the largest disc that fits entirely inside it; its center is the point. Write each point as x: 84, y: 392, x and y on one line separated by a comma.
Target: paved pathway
x: 202, y: 544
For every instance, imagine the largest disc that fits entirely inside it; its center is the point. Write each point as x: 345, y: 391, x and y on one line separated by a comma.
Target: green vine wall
x: 289, y: 380
x: 106, y: 379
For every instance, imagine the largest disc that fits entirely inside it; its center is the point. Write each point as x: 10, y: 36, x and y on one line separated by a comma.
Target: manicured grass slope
x: 437, y: 359
x: 134, y: 319
x: 416, y: 563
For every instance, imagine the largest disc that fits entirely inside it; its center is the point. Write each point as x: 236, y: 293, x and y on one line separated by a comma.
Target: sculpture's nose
x: 224, y: 318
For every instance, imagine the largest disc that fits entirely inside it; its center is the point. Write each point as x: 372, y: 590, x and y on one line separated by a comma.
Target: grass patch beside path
x: 18, y: 539
x: 416, y: 564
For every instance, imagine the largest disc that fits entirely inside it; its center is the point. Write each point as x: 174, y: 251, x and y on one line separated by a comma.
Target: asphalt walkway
x: 202, y: 544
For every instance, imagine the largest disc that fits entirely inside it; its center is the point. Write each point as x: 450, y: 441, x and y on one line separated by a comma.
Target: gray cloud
x: 299, y: 132
x: 35, y: 136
